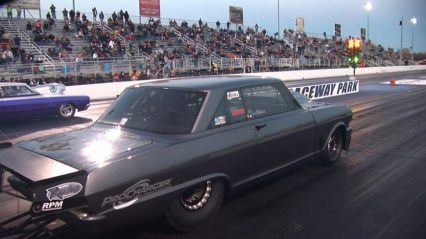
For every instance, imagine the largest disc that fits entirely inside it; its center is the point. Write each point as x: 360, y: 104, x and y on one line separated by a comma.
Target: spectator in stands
x: 121, y: 15
x: 126, y: 17
x: 53, y: 11
x: 114, y: 16
x: 46, y: 25
x: 29, y: 27
x: 101, y: 17
x: 18, y: 12
x: 78, y: 60
x: 72, y: 15
x: 51, y: 22
x: 37, y: 25
x: 83, y: 18
x: 95, y: 12
x: 51, y: 52
x: 8, y: 56
x: 17, y: 40
x: 218, y: 25
x: 77, y: 16
x: 227, y: 25
x: 65, y: 13
x: 9, y: 11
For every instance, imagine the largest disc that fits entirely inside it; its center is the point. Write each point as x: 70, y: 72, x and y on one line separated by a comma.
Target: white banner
x: 300, y: 24
x: 328, y: 89
x: 26, y: 4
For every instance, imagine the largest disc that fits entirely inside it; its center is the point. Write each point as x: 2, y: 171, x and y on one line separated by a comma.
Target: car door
x: 285, y: 132
x: 20, y: 102
x: 232, y: 136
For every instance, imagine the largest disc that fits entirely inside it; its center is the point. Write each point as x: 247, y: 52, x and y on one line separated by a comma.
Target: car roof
x: 211, y: 82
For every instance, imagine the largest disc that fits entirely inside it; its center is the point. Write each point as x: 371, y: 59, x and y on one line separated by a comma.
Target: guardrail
x: 112, y: 89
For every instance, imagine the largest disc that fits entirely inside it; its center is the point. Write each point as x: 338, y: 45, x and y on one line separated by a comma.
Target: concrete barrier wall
x: 111, y: 90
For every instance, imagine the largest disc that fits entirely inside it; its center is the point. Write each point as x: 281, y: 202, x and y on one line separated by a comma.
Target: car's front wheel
x: 66, y: 110
x: 333, y: 149
x: 196, y: 206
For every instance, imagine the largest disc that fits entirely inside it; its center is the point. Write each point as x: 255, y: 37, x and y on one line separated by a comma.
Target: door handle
x: 259, y: 127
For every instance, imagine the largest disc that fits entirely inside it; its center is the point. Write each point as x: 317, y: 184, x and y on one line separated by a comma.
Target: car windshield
x: 17, y: 91
x: 158, y: 110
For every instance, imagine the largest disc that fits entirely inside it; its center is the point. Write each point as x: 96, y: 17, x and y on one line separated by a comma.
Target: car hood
x: 88, y: 148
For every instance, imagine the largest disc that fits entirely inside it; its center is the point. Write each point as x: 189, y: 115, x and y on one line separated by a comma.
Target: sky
x: 319, y: 16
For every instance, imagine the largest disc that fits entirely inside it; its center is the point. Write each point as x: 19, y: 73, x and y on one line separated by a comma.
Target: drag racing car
x: 20, y: 102
x: 170, y: 149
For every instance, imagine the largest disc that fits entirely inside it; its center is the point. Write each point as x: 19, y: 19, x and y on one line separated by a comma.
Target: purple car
x: 19, y: 102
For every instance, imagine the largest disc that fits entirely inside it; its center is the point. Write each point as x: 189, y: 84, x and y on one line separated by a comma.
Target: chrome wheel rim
x: 66, y: 110
x: 333, y: 147
x: 196, y: 197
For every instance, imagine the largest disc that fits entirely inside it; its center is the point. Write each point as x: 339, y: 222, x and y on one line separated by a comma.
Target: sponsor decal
x: 220, y: 120
x: 232, y: 95
x: 134, y: 192
x: 257, y: 113
x: 48, y: 206
x: 53, y: 88
x: 123, y: 121
x: 329, y: 89
x: 63, y: 191
x: 237, y: 112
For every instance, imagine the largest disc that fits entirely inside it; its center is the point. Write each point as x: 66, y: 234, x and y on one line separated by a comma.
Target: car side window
x: 231, y: 110
x: 16, y: 91
x: 267, y: 100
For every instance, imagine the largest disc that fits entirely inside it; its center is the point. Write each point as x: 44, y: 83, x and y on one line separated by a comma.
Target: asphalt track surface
x: 377, y: 190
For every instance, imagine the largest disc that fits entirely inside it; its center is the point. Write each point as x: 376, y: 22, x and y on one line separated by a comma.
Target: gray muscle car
x: 172, y: 148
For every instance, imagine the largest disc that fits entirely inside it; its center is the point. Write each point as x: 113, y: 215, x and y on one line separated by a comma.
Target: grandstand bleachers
x: 119, y: 49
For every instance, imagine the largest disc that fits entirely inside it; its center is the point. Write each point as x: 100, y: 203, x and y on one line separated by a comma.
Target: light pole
x: 414, y: 22
x: 401, y: 23
x: 279, y: 34
x: 368, y: 6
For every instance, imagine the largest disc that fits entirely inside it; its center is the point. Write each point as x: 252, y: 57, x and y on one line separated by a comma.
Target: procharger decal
x: 329, y: 89
x: 134, y: 193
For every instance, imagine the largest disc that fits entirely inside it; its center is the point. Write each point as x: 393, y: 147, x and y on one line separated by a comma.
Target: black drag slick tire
x: 196, y: 206
x: 333, y: 149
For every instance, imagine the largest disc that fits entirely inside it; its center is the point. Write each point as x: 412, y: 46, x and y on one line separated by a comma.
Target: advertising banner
x: 236, y: 15
x: 329, y: 89
x: 149, y: 8
x: 363, y: 34
x: 300, y: 24
x: 337, y: 30
x: 26, y: 4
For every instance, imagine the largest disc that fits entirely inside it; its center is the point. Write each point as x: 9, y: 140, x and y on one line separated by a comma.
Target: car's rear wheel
x: 66, y: 110
x: 196, y: 206
x: 333, y: 149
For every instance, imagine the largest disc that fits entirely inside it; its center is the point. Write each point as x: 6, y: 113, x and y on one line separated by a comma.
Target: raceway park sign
x: 329, y: 89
